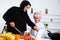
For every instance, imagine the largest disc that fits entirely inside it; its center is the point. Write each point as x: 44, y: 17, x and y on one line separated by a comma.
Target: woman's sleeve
x: 29, y: 22
x: 7, y: 15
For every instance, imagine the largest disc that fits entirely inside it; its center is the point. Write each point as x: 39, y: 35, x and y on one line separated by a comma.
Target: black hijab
x: 24, y: 3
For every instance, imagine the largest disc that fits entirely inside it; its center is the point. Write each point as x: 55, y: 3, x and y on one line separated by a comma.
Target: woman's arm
x: 30, y: 23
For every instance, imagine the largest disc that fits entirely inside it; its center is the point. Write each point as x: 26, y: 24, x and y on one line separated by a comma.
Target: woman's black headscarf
x: 24, y: 3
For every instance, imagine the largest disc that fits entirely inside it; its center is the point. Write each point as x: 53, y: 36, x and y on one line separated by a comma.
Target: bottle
x: 5, y: 29
x: 46, y: 11
x: 31, y: 10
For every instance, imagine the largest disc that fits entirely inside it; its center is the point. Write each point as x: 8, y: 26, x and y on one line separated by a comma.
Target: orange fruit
x: 27, y: 33
x: 17, y: 36
x: 31, y: 39
x: 26, y: 37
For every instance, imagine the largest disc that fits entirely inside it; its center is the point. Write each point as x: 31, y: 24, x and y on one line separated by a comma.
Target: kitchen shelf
x: 50, y: 15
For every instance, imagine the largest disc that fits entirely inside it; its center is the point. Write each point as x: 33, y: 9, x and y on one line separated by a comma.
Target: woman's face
x: 26, y: 8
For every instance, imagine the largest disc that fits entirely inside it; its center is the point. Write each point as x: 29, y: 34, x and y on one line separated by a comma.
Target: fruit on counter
x: 27, y: 34
x: 10, y: 37
x: 7, y: 36
x: 31, y: 38
x: 2, y: 38
x: 26, y: 37
x: 17, y: 36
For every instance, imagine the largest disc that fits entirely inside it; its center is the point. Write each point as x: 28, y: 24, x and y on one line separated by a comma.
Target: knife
x: 18, y: 30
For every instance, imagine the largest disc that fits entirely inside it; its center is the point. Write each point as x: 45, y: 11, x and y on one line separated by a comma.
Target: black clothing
x: 17, y: 15
x: 24, y: 3
x: 54, y: 36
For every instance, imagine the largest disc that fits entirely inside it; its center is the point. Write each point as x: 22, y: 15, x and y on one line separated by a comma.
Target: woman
x: 18, y: 17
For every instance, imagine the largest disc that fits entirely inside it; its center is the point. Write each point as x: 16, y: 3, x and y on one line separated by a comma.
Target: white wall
x: 53, y: 7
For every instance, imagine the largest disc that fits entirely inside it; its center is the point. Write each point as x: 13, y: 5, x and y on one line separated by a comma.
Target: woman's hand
x: 12, y: 24
x: 36, y: 28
